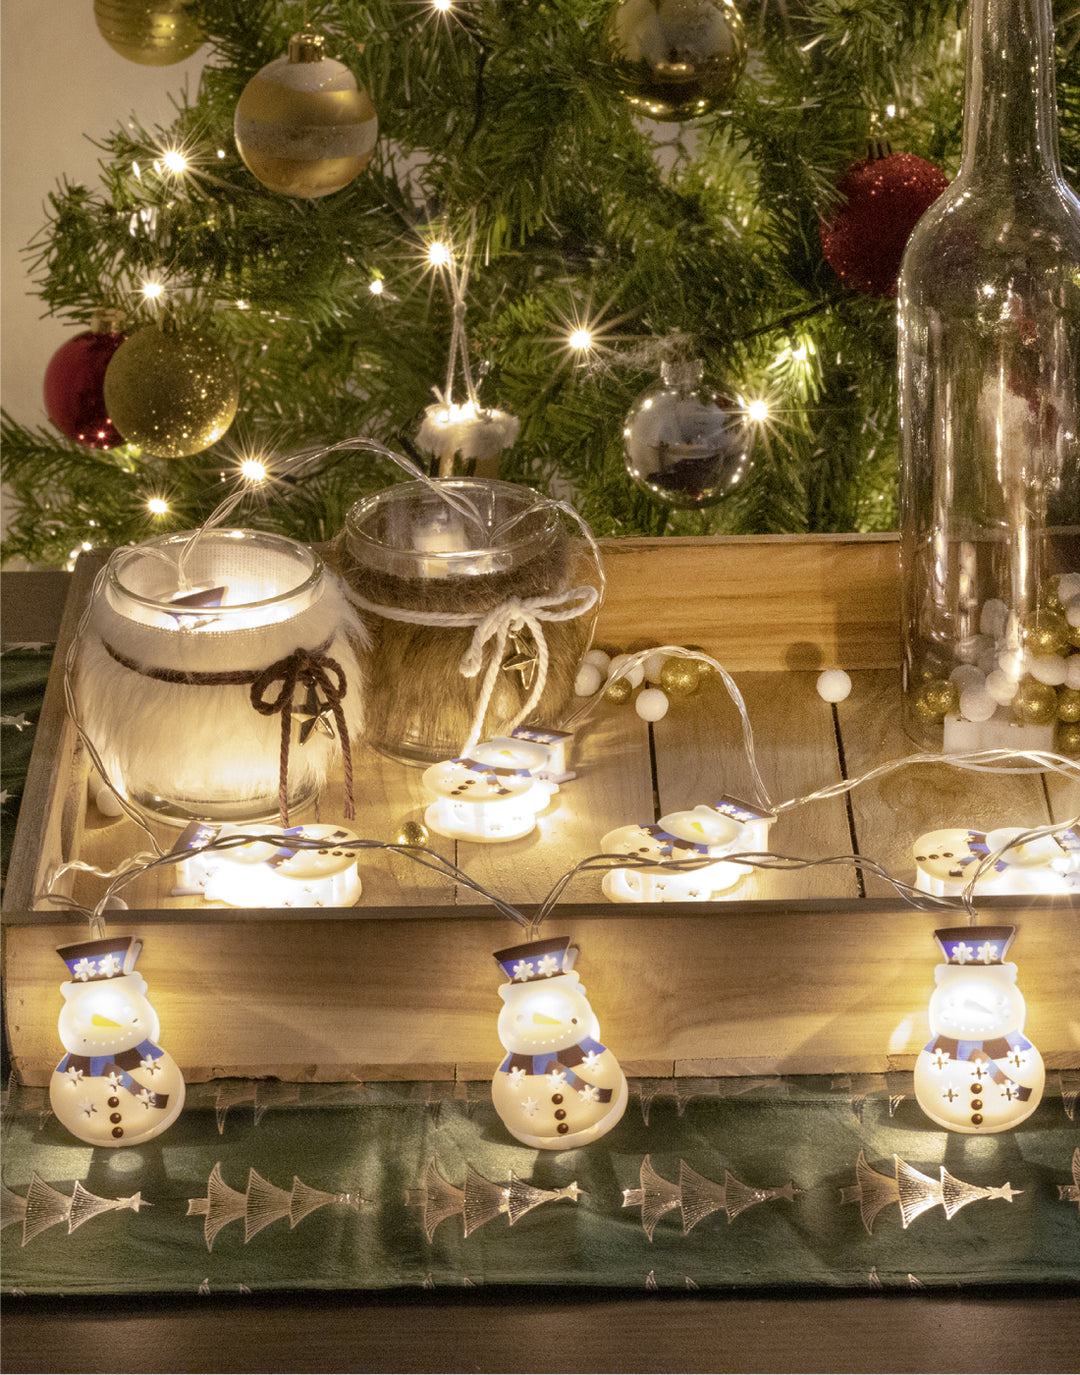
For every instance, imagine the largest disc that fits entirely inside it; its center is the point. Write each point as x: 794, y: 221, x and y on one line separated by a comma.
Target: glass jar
x: 198, y: 655
x: 479, y: 603
x: 989, y: 358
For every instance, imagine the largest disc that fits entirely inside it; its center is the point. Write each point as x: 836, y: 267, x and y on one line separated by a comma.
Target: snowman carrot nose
x: 98, y: 1020
x: 546, y: 1021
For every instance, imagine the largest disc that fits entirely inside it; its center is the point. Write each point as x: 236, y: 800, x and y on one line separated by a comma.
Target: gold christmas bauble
x: 619, y: 691
x: 680, y: 677
x: 1068, y: 737
x: 676, y: 59
x: 412, y: 833
x: 935, y: 699
x: 302, y: 126
x: 154, y: 33
x: 1068, y: 705
x: 1035, y: 704
x: 1046, y: 632
x: 171, y: 390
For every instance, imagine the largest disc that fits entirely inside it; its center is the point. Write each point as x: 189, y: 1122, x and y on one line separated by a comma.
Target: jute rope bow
x: 312, y: 668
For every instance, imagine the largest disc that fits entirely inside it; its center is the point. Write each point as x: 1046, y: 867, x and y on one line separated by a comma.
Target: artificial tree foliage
x: 501, y: 122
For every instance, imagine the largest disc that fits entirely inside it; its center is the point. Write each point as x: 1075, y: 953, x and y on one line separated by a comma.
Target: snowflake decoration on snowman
x: 558, y: 1086
x: 115, y: 1086
x: 978, y: 1073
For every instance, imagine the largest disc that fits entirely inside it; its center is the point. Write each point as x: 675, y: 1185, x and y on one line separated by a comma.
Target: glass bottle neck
x: 1010, y: 116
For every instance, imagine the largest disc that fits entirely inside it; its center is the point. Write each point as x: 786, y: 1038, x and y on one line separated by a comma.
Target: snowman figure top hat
x: 95, y: 961
x: 537, y: 960
x: 983, y: 945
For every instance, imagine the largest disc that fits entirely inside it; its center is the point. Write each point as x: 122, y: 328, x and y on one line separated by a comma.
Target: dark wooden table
x: 1008, y: 1329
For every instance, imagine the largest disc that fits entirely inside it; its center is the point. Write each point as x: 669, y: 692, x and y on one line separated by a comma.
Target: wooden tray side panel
x: 730, y: 991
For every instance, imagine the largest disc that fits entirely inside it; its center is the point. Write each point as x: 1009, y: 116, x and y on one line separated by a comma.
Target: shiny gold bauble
x: 703, y: 669
x: 1046, y: 632
x: 412, y: 833
x: 680, y: 677
x: 1067, y: 740
x: 171, y: 390
x: 676, y: 59
x: 619, y: 691
x: 936, y: 698
x: 1068, y: 704
x: 154, y: 33
x: 302, y: 125
x: 1035, y: 704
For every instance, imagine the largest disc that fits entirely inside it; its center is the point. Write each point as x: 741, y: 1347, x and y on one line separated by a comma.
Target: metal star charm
x: 523, y: 659
x: 314, y: 715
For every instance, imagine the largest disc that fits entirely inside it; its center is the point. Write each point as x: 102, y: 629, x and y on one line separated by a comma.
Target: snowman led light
x: 945, y: 861
x: 492, y: 794
x: 978, y: 1073
x: 700, y: 833
x: 115, y: 1086
x: 558, y: 1086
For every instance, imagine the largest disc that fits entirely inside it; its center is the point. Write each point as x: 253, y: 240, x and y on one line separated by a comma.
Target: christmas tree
x: 585, y: 247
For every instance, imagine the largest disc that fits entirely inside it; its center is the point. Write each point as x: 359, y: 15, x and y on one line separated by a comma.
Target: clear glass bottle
x: 989, y: 351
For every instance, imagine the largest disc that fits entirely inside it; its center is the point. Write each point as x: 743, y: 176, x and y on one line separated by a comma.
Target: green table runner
x: 704, y: 1183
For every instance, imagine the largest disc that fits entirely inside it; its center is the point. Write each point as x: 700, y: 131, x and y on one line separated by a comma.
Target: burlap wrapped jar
x: 479, y: 597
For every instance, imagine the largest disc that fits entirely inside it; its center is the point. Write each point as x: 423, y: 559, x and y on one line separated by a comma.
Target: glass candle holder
x: 480, y: 605
x: 216, y: 678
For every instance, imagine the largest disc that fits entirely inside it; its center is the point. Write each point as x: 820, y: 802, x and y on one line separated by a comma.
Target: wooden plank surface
x: 690, y: 989
x: 773, y: 602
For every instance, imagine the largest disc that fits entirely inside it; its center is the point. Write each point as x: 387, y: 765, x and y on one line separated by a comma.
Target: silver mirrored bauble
x: 683, y: 443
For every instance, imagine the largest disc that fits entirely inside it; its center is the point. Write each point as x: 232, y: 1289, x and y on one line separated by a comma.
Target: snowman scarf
x: 988, y: 1053
x: 554, y: 1061
x: 98, y: 1066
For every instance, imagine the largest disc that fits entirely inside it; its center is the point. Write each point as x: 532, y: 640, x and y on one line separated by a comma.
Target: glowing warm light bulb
x: 438, y: 254
x: 443, y: 6
x: 376, y: 286
x: 152, y: 290
x: 581, y: 340
x: 253, y: 470
x: 758, y: 411
x: 157, y: 506
x: 174, y: 161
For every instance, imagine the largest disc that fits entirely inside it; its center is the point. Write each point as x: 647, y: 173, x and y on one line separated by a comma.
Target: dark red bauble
x: 75, y: 389
x: 884, y: 199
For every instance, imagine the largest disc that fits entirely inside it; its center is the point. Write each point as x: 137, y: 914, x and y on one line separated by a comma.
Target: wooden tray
x: 814, y: 971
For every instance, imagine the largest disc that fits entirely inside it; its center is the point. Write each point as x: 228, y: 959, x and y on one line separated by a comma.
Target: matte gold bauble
x: 1046, y: 633
x: 154, y: 33
x: 171, y: 390
x: 1068, y: 707
x: 1068, y: 737
x: 680, y: 677
x: 302, y: 126
x: 676, y: 59
x: 1036, y: 704
x: 936, y: 699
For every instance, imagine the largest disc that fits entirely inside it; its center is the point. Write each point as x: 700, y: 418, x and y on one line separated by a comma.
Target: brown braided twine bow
x: 312, y: 669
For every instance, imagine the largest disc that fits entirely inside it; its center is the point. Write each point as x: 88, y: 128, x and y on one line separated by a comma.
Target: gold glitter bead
x: 171, y: 390
x: 680, y: 677
x: 1046, y: 633
x: 1068, y: 737
x: 703, y: 670
x: 1035, y: 704
x: 1068, y: 704
x: 936, y: 698
x: 412, y: 833
x: 619, y: 691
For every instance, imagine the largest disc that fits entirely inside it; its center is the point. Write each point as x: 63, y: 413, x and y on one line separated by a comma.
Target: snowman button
x: 115, y: 1117
x: 114, y: 1102
x: 976, y: 1118
x: 562, y: 1128
x: 976, y: 1088
x: 117, y: 1132
x: 560, y: 1113
x: 976, y: 1103
x: 556, y: 1097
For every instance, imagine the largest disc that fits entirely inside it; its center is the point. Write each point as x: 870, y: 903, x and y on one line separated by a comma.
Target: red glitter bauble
x: 75, y: 389
x: 884, y: 199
